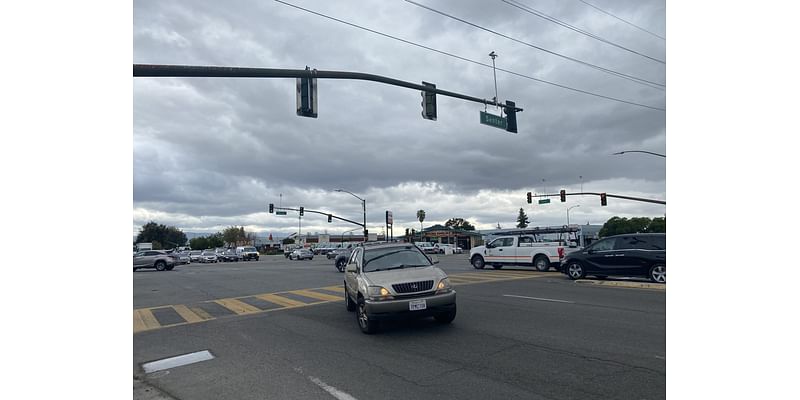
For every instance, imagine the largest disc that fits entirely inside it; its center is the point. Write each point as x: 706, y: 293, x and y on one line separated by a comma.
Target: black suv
x: 634, y: 254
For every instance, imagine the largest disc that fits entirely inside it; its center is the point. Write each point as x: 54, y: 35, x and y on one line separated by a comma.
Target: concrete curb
x: 635, y: 285
x: 144, y: 391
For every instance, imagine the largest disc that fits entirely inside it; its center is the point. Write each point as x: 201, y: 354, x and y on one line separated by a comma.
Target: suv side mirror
x: 351, y: 268
x: 434, y: 259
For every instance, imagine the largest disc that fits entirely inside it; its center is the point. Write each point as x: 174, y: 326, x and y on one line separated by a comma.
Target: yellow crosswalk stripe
x: 272, y: 298
x: 202, y: 313
x: 143, y: 320
x: 337, y: 288
x: 187, y: 314
x: 237, y: 306
x: 315, y: 295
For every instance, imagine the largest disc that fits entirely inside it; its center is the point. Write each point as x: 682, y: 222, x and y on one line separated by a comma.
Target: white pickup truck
x: 519, y: 250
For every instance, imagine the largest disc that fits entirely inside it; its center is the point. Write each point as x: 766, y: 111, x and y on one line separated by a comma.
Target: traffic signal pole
x: 600, y: 194
x: 197, y: 71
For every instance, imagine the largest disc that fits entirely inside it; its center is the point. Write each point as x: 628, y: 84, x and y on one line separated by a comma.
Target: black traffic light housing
x: 429, y: 102
x: 301, y: 211
x: 563, y: 194
x: 530, y: 198
x: 330, y: 218
x: 271, y: 208
x: 307, y: 96
x: 603, y: 201
x: 511, y: 116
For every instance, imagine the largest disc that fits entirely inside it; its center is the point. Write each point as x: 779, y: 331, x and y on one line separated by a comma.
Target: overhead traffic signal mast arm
x: 197, y: 71
x: 305, y: 210
x: 607, y: 195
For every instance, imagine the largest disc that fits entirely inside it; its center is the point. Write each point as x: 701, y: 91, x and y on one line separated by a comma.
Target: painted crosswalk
x: 151, y: 318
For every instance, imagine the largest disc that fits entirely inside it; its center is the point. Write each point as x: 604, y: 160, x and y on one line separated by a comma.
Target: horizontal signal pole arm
x: 305, y: 210
x: 607, y: 195
x: 197, y: 71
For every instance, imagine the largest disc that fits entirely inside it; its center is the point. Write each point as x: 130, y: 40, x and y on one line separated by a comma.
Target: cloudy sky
x: 213, y: 152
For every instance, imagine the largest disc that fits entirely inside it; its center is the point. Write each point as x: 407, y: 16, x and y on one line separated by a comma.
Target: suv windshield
x: 249, y: 249
x: 393, y: 257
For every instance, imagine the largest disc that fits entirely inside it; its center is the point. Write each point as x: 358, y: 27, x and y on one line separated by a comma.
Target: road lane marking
x: 539, y: 298
x: 144, y: 320
x: 338, y: 394
x: 177, y: 361
x: 188, y: 315
x: 337, y: 288
x: 237, y: 306
x: 272, y: 298
x: 316, y: 295
x: 202, y: 313
x: 661, y: 358
x: 627, y: 284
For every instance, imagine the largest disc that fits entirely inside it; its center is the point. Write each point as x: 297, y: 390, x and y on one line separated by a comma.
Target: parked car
x: 194, y: 255
x: 208, y: 256
x: 247, y: 253
x: 180, y: 258
x: 288, y: 249
x: 229, y: 255
x: 637, y: 254
x: 301, y: 254
x: 394, y: 280
x: 157, y: 259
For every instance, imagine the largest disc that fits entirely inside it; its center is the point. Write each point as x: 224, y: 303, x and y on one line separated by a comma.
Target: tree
x: 161, y: 235
x: 459, y: 223
x: 207, y: 242
x: 288, y: 241
x: 619, y: 226
x: 522, y: 219
x: 421, y: 217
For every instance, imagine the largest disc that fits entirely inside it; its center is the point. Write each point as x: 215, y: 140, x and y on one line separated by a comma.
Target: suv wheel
x: 367, y: 326
x: 446, y: 317
x: 658, y: 273
x: 160, y: 266
x: 340, y: 265
x: 575, y: 270
x: 477, y: 262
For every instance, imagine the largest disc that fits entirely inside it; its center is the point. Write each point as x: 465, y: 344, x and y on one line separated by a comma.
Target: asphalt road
x: 518, y: 334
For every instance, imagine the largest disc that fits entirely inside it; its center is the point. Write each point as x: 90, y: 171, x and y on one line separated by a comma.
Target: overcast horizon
x: 214, y: 152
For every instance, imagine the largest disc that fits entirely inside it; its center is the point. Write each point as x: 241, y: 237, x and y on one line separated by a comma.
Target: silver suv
x: 394, y: 280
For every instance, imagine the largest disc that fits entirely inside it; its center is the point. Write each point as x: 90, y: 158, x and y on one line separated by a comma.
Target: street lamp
x: 568, y: 212
x: 639, y: 151
x: 363, y: 207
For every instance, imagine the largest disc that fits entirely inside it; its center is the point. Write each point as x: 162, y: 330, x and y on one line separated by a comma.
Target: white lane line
x: 540, y: 299
x: 340, y: 395
x: 661, y: 358
x: 177, y: 361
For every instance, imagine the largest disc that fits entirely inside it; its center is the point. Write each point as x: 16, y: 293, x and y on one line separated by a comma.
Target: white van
x: 246, y: 253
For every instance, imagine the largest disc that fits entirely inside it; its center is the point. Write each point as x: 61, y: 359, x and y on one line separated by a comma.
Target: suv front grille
x: 411, y: 287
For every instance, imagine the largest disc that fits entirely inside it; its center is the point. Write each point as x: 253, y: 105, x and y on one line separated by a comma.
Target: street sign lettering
x: 493, y: 120
x: 544, y: 201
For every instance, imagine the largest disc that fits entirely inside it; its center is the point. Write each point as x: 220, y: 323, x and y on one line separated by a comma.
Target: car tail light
x: 560, y: 252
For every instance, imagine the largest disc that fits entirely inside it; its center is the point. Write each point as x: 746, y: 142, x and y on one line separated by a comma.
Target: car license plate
x: 415, y: 305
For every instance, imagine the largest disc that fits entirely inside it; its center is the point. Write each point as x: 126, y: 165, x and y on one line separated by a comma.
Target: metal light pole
x: 568, y: 212
x: 638, y: 151
x: 363, y: 207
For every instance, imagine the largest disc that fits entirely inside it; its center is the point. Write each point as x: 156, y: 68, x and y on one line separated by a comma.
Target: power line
x: 554, y: 20
x: 469, y: 60
x: 606, y: 70
x: 629, y: 23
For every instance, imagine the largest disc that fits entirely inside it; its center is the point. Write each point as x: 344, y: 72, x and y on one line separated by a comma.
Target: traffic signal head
x: 563, y: 194
x: 511, y: 116
x: 603, y: 199
x: 271, y: 208
x: 530, y: 198
x: 307, y: 96
x: 429, y: 102
x: 301, y: 211
x: 406, y: 231
x: 330, y: 218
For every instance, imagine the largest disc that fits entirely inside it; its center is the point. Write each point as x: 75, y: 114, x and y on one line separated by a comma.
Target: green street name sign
x: 544, y: 201
x: 280, y: 212
x: 494, y: 120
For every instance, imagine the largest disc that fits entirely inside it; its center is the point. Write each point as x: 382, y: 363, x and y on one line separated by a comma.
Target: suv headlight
x: 444, y: 286
x: 379, y: 293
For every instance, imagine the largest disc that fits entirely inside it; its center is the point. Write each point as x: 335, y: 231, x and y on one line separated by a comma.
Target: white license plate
x: 415, y: 305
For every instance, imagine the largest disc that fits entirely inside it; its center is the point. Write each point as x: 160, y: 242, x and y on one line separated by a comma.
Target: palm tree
x: 420, y: 217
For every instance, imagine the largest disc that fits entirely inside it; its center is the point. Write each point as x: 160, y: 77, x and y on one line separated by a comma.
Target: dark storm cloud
x: 223, y: 147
